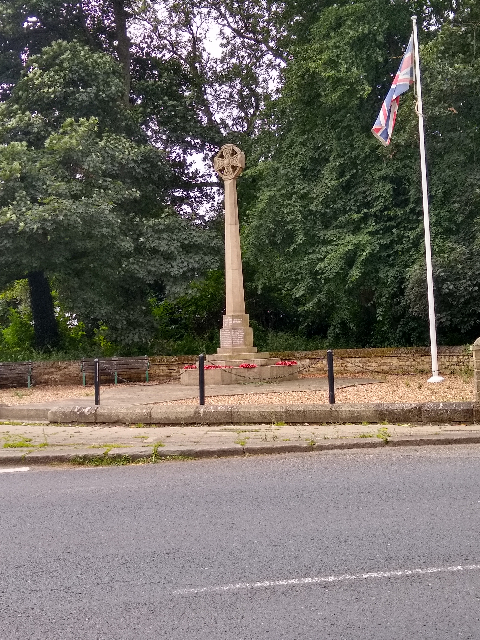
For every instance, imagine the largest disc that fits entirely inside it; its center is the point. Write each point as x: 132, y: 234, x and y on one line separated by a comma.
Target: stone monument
x: 236, y: 335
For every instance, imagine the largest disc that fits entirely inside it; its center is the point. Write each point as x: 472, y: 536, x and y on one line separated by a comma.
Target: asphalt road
x: 346, y: 545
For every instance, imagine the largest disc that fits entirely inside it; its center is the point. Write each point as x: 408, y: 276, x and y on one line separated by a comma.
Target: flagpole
x: 426, y: 220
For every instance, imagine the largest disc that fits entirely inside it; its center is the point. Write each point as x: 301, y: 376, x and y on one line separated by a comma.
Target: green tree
x: 88, y: 202
x: 335, y: 221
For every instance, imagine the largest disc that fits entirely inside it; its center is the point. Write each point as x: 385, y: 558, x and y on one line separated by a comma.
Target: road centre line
x: 14, y: 470
x: 328, y: 579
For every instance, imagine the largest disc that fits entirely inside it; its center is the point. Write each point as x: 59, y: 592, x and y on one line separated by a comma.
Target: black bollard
x: 96, y: 381
x: 201, y: 377
x: 331, y: 381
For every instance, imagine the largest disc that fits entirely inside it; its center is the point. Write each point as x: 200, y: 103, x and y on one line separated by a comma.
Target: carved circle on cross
x: 229, y: 162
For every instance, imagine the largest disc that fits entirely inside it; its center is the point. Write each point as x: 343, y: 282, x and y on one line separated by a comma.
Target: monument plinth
x: 236, y: 335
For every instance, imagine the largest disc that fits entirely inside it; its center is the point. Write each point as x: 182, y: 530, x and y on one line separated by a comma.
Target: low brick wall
x: 168, y: 368
x: 402, y: 361
x: 369, y: 362
x: 56, y: 373
x: 162, y: 369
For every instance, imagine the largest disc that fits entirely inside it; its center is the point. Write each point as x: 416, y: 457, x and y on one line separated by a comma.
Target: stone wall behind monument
x: 364, y: 362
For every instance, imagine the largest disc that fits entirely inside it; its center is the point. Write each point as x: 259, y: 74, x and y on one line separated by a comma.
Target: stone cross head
x: 229, y: 162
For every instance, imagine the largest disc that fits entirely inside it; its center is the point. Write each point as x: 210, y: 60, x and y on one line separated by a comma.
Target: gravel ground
x: 391, y: 389
x: 44, y: 393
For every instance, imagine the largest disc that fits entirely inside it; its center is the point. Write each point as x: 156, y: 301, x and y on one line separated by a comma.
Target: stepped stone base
x: 236, y: 348
x: 239, y: 375
x: 236, y: 359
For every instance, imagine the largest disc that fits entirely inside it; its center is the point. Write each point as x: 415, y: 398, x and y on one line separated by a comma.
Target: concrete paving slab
x: 48, y: 444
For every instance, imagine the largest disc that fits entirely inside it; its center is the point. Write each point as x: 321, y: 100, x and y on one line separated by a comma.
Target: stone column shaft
x: 235, y: 301
x: 236, y: 336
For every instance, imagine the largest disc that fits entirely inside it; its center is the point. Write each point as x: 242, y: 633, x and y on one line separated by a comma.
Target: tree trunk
x: 123, y: 44
x: 44, y: 321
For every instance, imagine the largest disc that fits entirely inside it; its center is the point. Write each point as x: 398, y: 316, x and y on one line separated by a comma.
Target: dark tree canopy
x: 109, y: 108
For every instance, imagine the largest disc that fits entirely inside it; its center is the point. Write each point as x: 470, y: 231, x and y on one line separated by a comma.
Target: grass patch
x: 109, y: 446
x: 16, y: 423
x: 123, y: 460
x: 17, y: 442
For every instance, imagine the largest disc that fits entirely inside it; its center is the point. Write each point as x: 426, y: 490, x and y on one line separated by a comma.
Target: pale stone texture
x: 236, y: 332
x: 236, y: 335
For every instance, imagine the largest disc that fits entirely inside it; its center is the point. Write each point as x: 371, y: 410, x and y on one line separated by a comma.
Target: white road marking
x: 15, y: 469
x: 325, y: 579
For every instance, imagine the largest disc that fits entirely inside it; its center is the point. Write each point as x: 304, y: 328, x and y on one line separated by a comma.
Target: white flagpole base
x: 436, y: 379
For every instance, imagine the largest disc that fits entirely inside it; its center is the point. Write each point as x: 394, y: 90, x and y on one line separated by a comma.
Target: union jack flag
x: 383, y: 127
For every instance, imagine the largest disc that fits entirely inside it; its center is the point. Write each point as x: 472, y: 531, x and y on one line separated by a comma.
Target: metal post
x: 96, y: 381
x: 331, y: 380
x: 201, y: 377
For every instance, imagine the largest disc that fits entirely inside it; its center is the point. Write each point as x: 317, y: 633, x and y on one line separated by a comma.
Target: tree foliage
x: 107, y: 106
x: 335, y: 221
x: 88, y: 201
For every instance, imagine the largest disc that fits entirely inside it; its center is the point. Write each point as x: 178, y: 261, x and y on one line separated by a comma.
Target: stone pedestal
x: 236, y: 334
x: 237, y: 375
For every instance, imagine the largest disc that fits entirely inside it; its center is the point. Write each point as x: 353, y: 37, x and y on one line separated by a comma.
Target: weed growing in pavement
x: 280, y: 424
x: 108, y: 446
x: 365, y: 435
x: 265, y: 437
x: 383, y: 434
x: 102, y: 461
x: 12, y: 441
x: 116, y: 461
x: 16, y: 423
x: 312, y: 442
x: 17, y: 442
x: 242, y: 442
x: 156, y: 447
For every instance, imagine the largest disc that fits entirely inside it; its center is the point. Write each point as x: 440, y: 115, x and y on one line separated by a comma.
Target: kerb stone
x: 444, y: 412
x: 72, y: 414
x: 170, y: 414
x: 124, y: 415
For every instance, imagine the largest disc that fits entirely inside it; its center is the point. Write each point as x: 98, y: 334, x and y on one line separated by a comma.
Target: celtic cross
x: 229, y: 162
